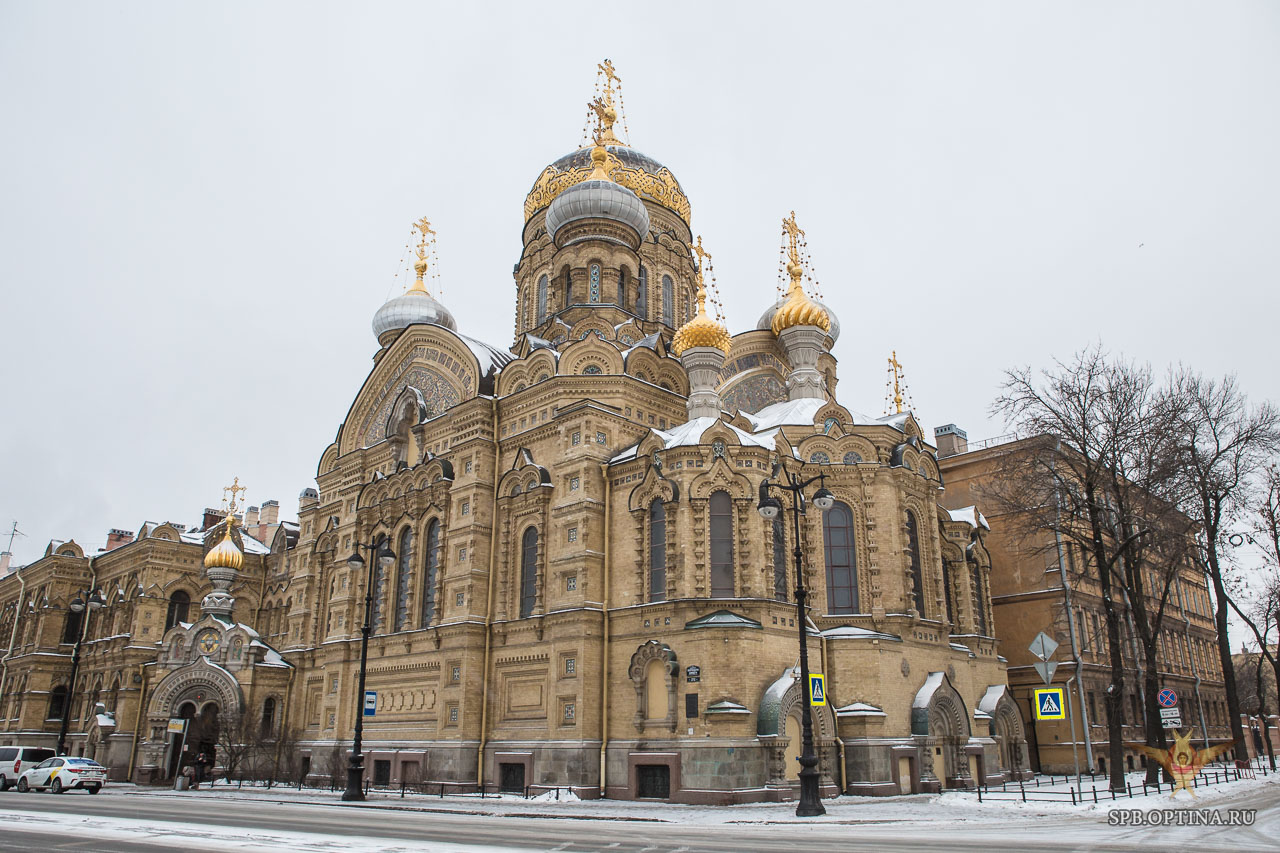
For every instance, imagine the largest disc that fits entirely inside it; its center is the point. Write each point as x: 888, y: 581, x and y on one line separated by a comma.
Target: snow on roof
x: 789, y: 412
x: 970, y: 516
x: 859, y: 709
x: 689, y: 434
x: 270, y: 657
x: 251, y: 545
x: 726, y: 706
x: 898, y: 420
x: 488, y: 355
x: 845, y: 631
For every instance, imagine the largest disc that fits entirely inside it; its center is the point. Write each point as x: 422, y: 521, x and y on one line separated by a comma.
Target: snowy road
x: 128, y: 820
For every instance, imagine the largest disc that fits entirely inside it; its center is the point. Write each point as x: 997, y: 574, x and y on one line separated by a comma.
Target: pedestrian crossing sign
x: 1050, y: 704
x: 817, y: 689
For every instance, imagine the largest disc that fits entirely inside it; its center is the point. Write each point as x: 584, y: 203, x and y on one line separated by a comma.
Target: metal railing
x: 1079, y: 795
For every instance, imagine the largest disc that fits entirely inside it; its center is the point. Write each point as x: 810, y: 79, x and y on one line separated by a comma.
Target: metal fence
x: 1030, y: 792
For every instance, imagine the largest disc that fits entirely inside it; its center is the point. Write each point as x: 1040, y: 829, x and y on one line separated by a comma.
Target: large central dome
x: 641, y: 174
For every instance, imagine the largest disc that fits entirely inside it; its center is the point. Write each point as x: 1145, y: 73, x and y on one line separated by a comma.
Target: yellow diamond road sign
x: 1050, y: 704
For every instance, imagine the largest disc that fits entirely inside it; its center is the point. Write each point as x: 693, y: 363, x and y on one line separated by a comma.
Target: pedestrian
x: 189, y: 773
x: 202, y: 764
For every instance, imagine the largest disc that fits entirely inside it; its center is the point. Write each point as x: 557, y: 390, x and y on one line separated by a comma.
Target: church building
x: 583, y: 592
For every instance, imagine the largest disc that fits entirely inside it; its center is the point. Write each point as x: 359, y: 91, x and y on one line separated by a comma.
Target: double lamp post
x: 770, y: 507
x: 91, y: 600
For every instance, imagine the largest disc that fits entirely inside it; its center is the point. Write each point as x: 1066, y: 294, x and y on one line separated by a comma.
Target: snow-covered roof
x: 489, y: 356
x: 786, y: 413
x: 846, y: 631
x: 270, y: 657
x: 251, y: 545
x: 970, y: 516
x: 898, y: 420
x: 727, y: 707
x: 859, y: 709
x: 689, y: 434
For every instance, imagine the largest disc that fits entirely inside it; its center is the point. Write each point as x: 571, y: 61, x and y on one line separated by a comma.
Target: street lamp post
x: 95, y: 601
x: 810, y: 805
x: 385, y: 557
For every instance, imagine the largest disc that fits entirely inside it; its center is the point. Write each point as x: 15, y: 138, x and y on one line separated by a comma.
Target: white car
x: 64, y: 773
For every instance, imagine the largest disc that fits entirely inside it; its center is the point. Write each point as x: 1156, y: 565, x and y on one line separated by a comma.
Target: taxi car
x: 62, y: 773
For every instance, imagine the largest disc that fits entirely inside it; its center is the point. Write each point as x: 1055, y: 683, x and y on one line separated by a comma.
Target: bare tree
x: 1095, y: 473
x: 1223, y: 444
x: 237, y: 736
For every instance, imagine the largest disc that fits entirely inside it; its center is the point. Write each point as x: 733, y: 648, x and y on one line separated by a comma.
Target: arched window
x: 179, y: 603
x: 542, y: 299
x: 379, y: 581
x: 668, y: 301
x: 622, y: 288
x: 71, y: 627
x: 430, y: 569
x: 404, y: 577
x: 657, y: 551
x: 779, y: 558
x: 57, y: 703
x: 979, y: 598
x: 528, y: 572
x: 642, y: 295
x: 269, y: 715
x: 917, y: 571
x: 594, y: 292
x: 853, y: 457
x: 568, y: 288
x: 721, y: 545
x: 842, y: 568
x: 819, y: 458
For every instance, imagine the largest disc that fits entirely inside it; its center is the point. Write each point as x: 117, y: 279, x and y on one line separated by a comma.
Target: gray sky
x: 202, y: 205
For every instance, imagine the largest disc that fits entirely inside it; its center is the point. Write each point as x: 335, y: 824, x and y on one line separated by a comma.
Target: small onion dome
x: 224, y: 555
x: 766, y: 319
x: 598, y: 198
x: 701, y: 331
x: 415, y: 305
x: 798, y: 309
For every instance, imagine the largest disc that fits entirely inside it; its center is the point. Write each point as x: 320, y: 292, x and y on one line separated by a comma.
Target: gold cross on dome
x: 235, y: 488
x: 610, y: 75
x: 793, y: 233
x: 703, y: 254
x: 423, y: 227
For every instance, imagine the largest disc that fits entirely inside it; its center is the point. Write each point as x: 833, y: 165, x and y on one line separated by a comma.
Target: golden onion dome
x: 224, y: 555
x: 701, y: 331
x: 798, y: 309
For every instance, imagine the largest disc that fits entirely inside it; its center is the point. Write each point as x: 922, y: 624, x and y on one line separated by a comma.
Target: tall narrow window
x: 57, y: 703
x: 917, y: 571
x: 75, y: 621
x: 179, y: 602
x: 721, y: 545
x: 594, y: 293
x: 379, y: 581
x: 404, y: 577
x: 842, y: 569
x: 269, y: 715
x: 947, y: 591
x: 528, y: 572
x: 622, y: 288
x: 542, y: 299
x: 430, y: 569
x: 668, y: 301
x: 979, y: 598
x: 568, y: 288
x: 779, y: 558
x: 642, y: 295
x: 657, y: 551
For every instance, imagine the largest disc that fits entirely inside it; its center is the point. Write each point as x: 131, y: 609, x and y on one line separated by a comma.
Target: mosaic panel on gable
x: 438, y: 393
x: 754, y: 393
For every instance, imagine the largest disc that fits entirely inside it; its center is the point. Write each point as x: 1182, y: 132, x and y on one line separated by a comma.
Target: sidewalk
x: 948, y: 807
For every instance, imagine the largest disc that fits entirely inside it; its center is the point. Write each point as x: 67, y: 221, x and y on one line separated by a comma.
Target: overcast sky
x: 202, y: 205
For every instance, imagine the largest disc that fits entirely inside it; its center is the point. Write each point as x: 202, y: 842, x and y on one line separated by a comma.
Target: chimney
x: 5, y: 557
x: 212, y: 518
x: 117, y: 537
x: 270, y: 512
x: 251, y: 517
x: 951, y: 440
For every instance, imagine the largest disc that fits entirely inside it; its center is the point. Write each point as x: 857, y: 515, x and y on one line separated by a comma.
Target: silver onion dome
x: 766, y: 319
x: 412, y: 306
x: 598, y: 199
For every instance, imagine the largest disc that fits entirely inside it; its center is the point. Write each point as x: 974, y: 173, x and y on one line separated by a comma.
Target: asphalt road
x: 229, y: 824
